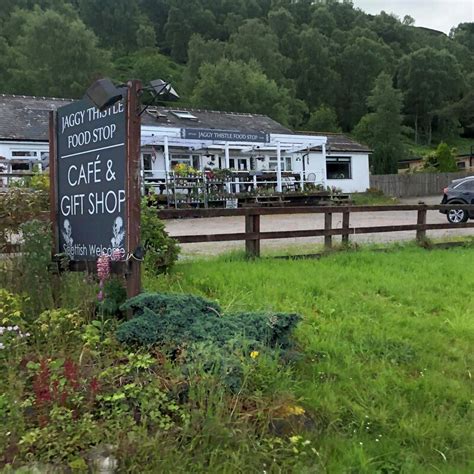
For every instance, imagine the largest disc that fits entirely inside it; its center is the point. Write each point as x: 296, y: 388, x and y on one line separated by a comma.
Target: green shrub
x: 35, y: 265
x: 161, y: 251
x: 17, y: 206
x: 114, y: 296
x: 176, y: 320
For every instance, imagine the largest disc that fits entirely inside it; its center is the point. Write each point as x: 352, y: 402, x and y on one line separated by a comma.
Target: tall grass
x: 388, y: 345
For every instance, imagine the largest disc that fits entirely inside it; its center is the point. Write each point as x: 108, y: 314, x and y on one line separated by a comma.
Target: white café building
x: 202, y: 139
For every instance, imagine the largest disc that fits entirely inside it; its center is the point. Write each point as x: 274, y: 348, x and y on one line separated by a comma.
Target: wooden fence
x: 253, y: 235
x: 413, y: 185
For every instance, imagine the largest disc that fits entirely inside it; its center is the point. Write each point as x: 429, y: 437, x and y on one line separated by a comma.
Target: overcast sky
x: 440, y: 15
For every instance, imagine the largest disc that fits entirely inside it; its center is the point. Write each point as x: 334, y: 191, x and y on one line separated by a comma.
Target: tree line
x: 312, y: 65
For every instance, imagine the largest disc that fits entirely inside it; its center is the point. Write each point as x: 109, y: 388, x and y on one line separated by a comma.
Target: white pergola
x: 279, y: 143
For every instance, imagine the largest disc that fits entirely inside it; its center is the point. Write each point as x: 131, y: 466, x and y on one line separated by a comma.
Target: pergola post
x: 325, y: 175
x: 279, y: 187
x: 227, y: 161
x: 167, y: 156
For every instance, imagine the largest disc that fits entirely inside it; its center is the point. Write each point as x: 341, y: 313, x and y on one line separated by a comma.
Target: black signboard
x: 91, y: 173
x: 225, y: 135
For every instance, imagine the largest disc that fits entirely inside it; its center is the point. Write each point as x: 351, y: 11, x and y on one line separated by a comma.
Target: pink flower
x: 103, y: 267
x: 117, y: 255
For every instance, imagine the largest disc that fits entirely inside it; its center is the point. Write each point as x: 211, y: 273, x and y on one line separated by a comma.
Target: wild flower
x: 254, y: 354
x: 103, y: 272
x: 11, y: 334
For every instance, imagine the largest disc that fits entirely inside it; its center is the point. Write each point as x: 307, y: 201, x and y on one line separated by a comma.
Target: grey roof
x: 26, y: 118
x: 338, y: 142
x: 213, y: 119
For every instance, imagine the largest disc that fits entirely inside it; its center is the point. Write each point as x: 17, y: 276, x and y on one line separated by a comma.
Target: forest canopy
x: 305, y: 63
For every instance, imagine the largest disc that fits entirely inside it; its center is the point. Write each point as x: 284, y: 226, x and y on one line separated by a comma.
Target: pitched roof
x: 27, y: 118
x: 338, y: 142
x: 212, y: 119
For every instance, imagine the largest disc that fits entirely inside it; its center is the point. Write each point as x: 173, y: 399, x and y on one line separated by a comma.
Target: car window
x: 465, y: 185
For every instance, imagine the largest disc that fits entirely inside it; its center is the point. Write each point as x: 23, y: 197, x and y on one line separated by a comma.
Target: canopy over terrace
x: 226, y: 140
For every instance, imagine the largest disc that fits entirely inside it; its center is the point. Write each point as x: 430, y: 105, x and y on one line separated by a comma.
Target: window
x: 24, y: 154
x: 467, y: 185
x: 147, y: 161
x: 190, y: 160
x: 240, y: 164
x: 26, y: 166
x: 461, y: 164
x: 338, y: 167
x: 183, y: 114
x: 285, y: 163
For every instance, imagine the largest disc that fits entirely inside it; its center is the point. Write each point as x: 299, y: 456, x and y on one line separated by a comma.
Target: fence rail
x: 253, y: 235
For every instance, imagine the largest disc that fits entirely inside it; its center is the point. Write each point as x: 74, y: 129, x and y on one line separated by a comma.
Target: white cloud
x: 440, y: 15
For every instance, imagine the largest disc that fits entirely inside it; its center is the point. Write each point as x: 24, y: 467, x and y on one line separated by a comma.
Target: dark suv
x: 460, y: 191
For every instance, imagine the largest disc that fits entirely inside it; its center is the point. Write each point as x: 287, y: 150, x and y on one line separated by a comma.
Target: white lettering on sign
x: 72, y: 120
x: 72, y: 205
x: 86, y: 174
x: 109, y: 202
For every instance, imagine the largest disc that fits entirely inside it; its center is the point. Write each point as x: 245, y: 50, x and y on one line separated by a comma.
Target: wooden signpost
x: 95, y: 187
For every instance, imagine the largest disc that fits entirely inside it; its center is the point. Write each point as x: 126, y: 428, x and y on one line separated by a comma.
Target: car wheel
x: 457, y: 216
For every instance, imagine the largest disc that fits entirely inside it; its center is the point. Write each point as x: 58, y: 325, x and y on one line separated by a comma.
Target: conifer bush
x: 176, y: 320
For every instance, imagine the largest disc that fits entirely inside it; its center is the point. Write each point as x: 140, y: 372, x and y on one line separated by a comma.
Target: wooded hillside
x: 311, y: 65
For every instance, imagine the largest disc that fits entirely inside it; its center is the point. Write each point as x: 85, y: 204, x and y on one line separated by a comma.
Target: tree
x: 316, y: 81
x: 147, y: 65
x: 240, y: 87
x: 442, y: 160
x: 464, y: 34
x: 359, y: 64
x: 201, y: 51
x: 381, y: 129
x: 55, y: 55
x: 115, y: 22
x: 146, y: 36
x: 429, y: 79
x: 323, y: 119
x: 255, y: 40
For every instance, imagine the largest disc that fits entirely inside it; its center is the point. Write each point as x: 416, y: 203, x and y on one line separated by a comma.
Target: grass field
x: 387, y: 343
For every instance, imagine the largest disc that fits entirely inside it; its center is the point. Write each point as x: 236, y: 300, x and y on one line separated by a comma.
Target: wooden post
x: 328, y: 226
x: 421, y: 233
x: 345, y: 225
x: 53, y: 208
x: 252, y: 246
x: 133, y: 186
x: 53, y: 182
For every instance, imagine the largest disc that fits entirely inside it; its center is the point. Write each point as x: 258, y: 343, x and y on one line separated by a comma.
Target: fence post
x: 421, y: 233
x: 328, y: 226
x: 252, y: 246
x: 345, y: 225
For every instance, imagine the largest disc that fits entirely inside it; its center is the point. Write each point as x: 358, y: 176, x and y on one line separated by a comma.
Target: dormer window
x: 183, y: 114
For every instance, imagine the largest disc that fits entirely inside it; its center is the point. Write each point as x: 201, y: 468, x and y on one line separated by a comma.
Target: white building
x: 205, y: 140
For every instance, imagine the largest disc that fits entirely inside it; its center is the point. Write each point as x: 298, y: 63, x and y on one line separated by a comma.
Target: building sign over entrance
x: 224, y: 135
x: 91, y: 171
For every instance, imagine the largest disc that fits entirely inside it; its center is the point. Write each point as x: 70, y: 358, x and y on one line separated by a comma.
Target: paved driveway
x: 218, y: 225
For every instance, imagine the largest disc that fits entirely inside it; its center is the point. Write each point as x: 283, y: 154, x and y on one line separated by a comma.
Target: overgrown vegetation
x: 379, y: 380
x: 161, y: 251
